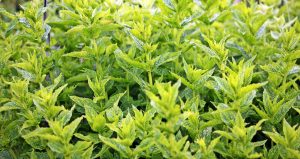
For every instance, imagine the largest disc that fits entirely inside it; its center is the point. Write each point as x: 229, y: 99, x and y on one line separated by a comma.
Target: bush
x: 150, y: 79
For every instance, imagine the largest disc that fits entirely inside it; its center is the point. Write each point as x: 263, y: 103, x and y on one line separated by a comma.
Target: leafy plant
x: 150, y: 79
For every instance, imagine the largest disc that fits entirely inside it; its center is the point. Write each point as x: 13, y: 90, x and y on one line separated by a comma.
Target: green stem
x: 50, y: 153
x: 127, y: 87
x: 150, y: 78
x: 106, y: 97
x: 194, y: 94
x: 148, y: 58
x: 12, y: 153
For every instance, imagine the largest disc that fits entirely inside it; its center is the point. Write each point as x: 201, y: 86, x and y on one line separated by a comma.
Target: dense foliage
x: 179, y: 79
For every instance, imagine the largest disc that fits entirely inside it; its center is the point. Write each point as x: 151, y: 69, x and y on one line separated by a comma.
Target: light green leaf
x: 76, y: 29
x: 69, y: 130
x: 280, y: 114
x: 7, y: 108
x: 80, y: 54
x: 113, y: 100
x: 113, y: 143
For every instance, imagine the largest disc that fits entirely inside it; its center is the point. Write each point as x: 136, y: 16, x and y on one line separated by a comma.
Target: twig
x: 17, y: 6
x: 45, y: 14
x: 44, y: 19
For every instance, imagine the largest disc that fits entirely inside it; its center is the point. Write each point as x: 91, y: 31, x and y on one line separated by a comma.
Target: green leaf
x: 69, y: 13
x: 98, y: 123
x: 7, y: 108
x: 113, y: 100
x: 225, y: 134
x: 65, y: 116
x: 113, y: 143
x: 261, y: 113
x: 224, y: 86
x: 79, y: 54
x: 183, y: 80
x: 280, y: 114
x: 26, y: 75
x: 294, y: 153
x: 85, y: 102
x: 169, y: 4
x: 69, y: 130
x: 261, y: 31
x: 166, y: 57
x: 297, y: 109
x: 249, y: 88
x: 114, y: 113
x: 76, y: 29
x: 139, y: 44
x: 124, y: 57
x: 206, y: 49
x: 144, y: 145
x: 56, y: 147
x: 276, y: 137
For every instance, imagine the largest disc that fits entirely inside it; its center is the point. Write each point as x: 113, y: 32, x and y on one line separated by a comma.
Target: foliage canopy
x: 179, y: 79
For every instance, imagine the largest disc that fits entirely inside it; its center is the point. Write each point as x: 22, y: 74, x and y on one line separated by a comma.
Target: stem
x: 44, y: 19
x: 150, y: 77
x: 45, y: 14
x: 148, y: 58
x: 127, y: 87
x: 50, y: 153
x: 12, y: 153
x: 106, y: 97
x: 17, y: 6
x: 194, y: 94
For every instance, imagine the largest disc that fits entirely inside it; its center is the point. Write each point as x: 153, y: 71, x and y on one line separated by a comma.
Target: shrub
x: 150, y: 79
